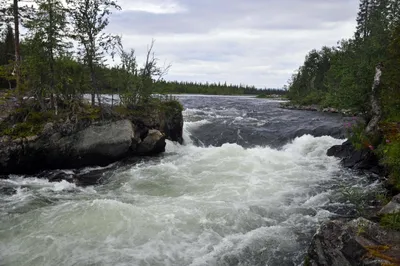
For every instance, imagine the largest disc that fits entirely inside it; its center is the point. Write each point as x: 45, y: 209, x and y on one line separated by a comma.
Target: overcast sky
x: 255, y: 42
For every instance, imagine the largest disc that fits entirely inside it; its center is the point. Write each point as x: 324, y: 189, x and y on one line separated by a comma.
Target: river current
x: 250, y: 186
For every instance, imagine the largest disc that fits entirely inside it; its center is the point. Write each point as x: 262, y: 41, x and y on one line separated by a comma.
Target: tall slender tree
x: 90, y: 19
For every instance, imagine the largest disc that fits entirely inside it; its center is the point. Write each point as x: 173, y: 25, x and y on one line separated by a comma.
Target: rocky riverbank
x: 361, y: 241
x: 89, y: 141
x: 313, y: 107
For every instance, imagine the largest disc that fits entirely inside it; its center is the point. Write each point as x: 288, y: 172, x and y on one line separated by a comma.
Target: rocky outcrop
x: 363, y: 159
x: 168, y: 120
x: 357, y: 242
x: 98, y: 144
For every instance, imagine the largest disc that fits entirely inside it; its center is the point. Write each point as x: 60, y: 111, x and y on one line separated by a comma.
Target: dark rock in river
x: 358, y: 242
x: 153, y: 143
x: 363, y: 159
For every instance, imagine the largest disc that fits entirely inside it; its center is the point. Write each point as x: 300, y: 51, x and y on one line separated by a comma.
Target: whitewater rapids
x: 198, y: 204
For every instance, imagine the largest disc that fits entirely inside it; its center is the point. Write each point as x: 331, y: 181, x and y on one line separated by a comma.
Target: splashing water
x: 198, y: 204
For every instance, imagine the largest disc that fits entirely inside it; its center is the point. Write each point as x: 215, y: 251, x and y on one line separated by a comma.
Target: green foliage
x: 88, y: 112
x: 25, y: 123
x: 270, y: 95
x: 390, y: 153
x: 177, y: 87
x: 356, y: 197
x: 356, y: 134
x: 342, y: 77
x: 391, y: 221
x: 173, y: 106
x: 314, y: 97
x: 345, y: 73
x: 90, y: 19
x: 307, y: 261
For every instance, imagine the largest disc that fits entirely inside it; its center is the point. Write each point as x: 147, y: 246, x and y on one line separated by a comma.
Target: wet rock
x: 96, y: 145
x: 392, y: 207
x: 57, y: 176
x: 358, y: 242
x: 153, y: 143
x: 341, y: 151
x: 91, y: 178
x: 363, y: 159
x: 108, y: 142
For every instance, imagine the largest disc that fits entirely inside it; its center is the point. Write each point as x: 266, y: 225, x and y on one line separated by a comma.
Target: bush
x: 314, y: 97
x: 391, y: 221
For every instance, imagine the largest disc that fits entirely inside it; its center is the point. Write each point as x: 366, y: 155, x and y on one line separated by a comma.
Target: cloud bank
x: 255, y: 42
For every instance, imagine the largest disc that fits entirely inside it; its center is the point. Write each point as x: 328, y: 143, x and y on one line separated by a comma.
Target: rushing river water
x: 249, y: 187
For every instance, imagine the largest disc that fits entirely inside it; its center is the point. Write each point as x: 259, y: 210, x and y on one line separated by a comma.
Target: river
x: 249, y: 187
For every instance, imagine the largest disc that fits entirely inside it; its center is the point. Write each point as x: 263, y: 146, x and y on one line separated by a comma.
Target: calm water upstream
x: 249, y: 187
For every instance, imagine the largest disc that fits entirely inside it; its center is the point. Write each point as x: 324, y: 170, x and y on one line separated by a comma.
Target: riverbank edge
x: 317, y: 108
x: 363, y: 240
x: 95, y: 137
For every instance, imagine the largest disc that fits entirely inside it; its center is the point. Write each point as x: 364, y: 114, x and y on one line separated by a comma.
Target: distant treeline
x: 212, y: 88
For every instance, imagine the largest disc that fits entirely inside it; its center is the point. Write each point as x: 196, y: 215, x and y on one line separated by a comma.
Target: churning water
x: 249, y: 187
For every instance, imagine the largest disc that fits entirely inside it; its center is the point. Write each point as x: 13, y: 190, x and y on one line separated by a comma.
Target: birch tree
x: 90, y: 18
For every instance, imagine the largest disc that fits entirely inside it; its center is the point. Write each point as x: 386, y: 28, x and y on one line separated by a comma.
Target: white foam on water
x: 198, y: 206
x: 195, y: 206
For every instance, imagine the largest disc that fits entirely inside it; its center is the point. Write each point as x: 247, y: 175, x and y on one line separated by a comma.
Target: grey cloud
x: 206, y: 15
x: 257, y: 42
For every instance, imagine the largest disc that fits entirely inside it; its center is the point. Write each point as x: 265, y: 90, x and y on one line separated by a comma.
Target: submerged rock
x: 358, y: 242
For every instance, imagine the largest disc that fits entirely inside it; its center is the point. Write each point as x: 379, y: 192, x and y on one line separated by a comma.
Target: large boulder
x: 102, y: 144
x: 358, y: 242
x: 98, y: 145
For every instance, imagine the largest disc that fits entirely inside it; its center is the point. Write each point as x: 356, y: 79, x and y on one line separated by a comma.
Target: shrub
x: 391, y: 221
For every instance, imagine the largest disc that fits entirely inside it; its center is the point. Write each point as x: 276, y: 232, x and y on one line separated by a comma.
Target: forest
x: 163, y: 86
x: 343, y: 77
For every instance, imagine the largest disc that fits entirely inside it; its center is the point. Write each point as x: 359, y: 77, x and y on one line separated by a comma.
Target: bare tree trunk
x: 375, y: 107
x: 17, y: 50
